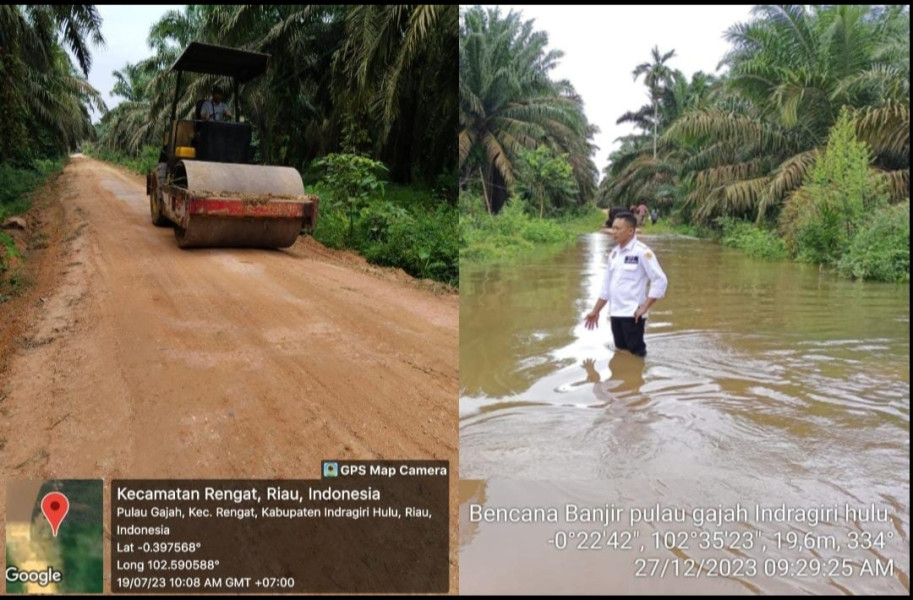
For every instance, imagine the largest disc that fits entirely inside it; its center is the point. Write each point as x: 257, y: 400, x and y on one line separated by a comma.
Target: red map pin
x: 55, y: 507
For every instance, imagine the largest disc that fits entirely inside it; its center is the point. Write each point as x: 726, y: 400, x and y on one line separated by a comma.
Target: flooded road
x: 766, y: 385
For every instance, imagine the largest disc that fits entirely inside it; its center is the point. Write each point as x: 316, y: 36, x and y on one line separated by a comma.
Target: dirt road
x: 141, y: 360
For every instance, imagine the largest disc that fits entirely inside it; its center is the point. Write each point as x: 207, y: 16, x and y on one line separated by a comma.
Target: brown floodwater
x: 767, y: 385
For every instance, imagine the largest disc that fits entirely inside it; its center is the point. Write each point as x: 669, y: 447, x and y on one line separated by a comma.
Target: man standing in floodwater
x: 630, y: 266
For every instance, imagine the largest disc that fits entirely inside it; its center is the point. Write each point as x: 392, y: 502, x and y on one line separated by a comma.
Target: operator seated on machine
x: 215, y: 109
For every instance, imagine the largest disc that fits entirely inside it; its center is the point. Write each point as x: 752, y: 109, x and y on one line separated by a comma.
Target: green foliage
x: 355, y: 139
x: 374, y: 79
x: 508, y: 102
x: 546, y: 180
x: 840, y: 217
x: 748, y: 140
x: 839, y: 190
x: 16, y: 183
x: 332, y: 225
x: 422, y: 244
x: 753, y: 240
x: 7, y: 251
x: 881, y: 249
x: 406, y: 228
x: 351, y: 180
x: 512, y: 232
x: 822, y: 232
x: 44, y: 100
x: 844, y: 167
x: 395, y: 67
x: 447, y: 187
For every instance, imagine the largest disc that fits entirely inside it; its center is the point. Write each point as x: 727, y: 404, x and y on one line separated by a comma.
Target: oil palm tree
x: 397, y: 67
x: 44, y: 101
x: 508, y: 102
x: 131, y: 124
x: 637, y: 175
x: 791, y: 70
x: 657, y: 77
x: 388, y: 70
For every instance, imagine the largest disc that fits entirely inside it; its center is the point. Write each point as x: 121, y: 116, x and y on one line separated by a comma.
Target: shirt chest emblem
x: 631, y: 260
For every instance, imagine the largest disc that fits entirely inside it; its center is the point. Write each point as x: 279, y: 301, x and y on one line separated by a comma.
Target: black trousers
x: 629, y: 335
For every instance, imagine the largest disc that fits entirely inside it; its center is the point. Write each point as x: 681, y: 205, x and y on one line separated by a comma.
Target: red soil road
x: 142, y: 360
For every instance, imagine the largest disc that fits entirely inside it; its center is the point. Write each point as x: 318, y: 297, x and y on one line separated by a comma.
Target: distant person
x: 641, y: 214
x: 215, y: 109
x: 631, y: 265
x: 654, y: 216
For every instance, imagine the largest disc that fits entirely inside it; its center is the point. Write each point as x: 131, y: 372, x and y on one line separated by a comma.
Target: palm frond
x: 886, y: 129
x: 788, y: 176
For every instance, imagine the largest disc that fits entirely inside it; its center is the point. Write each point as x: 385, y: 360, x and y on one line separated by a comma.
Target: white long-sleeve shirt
x: 628, y: 270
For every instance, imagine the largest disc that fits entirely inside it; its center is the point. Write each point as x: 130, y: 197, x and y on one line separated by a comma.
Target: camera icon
x: 330, y: 469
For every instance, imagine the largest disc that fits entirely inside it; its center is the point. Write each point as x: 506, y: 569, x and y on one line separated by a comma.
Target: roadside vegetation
x: 44, y: 110
x: 412, y: 227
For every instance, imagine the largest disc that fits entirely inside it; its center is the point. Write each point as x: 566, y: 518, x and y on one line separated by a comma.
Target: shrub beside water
x: 752, y: 239
x: 880, y: 249
x: 515, y: 230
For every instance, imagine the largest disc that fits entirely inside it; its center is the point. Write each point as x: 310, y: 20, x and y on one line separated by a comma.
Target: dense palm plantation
x: 747, y: 146
x: 791, y: 71
x: 636, y: 175
x: 374, y: 79
x: 44, y: 100
x: 44, y: 105
x: 372, y: 86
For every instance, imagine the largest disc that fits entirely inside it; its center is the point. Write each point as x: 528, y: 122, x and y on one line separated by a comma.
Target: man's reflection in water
x: 624, y: 380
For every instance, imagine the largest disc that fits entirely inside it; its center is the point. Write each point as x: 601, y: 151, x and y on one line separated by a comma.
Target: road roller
x: 206, y: 185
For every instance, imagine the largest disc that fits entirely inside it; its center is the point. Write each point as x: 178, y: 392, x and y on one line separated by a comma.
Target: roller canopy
x: 219, y: 60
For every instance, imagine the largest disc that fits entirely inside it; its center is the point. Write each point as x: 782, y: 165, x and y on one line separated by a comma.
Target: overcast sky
x: 603, y: 44
x: 126, y: 31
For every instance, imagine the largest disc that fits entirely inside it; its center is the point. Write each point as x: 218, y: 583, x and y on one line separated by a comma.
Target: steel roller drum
x: 241, y: 206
